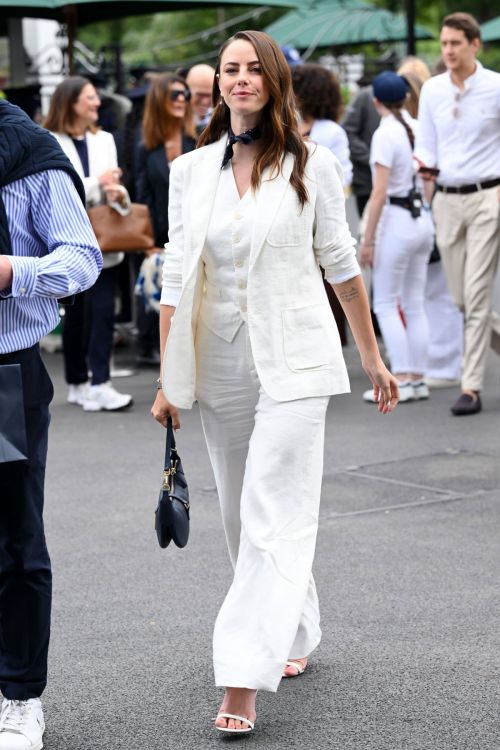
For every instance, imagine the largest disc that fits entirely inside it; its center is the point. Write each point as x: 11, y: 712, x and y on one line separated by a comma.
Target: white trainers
x: 406, y: 393
x: 78, y: 393
x: 104, y: 397
x: 21, y: 725
x: 420, y: 390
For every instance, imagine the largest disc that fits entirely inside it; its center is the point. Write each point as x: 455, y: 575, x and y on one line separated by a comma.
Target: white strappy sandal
x: 243, y: 719
x: 297, y: 665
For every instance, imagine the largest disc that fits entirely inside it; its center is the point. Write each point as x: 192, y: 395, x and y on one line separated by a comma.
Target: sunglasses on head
x: 176, y: 93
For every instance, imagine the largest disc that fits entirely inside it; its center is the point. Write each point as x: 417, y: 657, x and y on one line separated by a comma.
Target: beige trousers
x: 468, y: 237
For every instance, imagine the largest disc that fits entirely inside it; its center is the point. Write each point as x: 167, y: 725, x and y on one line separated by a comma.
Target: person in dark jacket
x: 167, y: 132
x: 360, y: 122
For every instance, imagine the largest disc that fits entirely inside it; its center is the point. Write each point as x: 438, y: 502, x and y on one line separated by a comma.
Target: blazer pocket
x: 286, y: 235
x: 306, y: 341
x: 291, y: 226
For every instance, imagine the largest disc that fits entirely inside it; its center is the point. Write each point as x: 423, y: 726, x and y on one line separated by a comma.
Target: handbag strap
x: 170, y: 444
x: 171, y: 459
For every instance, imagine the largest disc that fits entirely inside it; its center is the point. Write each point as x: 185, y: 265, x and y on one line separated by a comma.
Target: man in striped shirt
x: 47, y: 251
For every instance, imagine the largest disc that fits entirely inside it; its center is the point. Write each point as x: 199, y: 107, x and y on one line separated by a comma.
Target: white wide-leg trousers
x: 399, y: 275
x: 267, y: 458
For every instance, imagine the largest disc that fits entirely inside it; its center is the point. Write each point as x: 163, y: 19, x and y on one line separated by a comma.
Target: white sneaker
x: 105, y: 397
x: 420, y: 389
x: 406, y: 393
x: 78, y: 393
x: 21, y: 725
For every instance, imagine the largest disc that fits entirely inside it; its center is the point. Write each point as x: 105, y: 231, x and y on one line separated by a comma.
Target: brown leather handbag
x: 117, y: 232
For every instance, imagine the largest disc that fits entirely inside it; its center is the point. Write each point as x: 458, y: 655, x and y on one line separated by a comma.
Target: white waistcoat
x: 226, y: 255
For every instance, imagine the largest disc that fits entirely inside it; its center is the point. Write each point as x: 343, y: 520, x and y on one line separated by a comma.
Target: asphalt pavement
x: 407, y: 569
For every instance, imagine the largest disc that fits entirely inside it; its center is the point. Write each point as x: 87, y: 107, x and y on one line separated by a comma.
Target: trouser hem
x: 22, y: 692
x: 250, y: 675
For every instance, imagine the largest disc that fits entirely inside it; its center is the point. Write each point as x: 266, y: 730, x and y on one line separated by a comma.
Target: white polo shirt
x: 459, y: 131
x: 391, y: 148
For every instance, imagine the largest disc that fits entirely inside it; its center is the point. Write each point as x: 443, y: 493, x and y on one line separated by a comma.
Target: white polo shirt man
x: 459, y: 133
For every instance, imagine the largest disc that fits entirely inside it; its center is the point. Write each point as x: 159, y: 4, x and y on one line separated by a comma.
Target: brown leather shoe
x: 466, y: 405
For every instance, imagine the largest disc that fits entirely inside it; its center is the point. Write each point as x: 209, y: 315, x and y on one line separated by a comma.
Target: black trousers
x: 361, y: 201
x: 88, y: 331
x: 25, y: 572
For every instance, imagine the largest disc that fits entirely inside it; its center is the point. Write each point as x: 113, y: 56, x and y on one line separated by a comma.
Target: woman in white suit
x: 89, y: 322
x: 246, y: 329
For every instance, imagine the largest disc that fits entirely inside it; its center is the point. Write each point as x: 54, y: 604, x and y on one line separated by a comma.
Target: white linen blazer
x: 293, y: 334
x: 102, y: 157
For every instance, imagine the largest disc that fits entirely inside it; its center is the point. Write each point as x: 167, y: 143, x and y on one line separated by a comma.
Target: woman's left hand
x: 385, y: 385
x: 366, y: 254
x: 115, y: 193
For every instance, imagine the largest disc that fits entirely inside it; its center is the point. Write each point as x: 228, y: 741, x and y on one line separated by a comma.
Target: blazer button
x: 238, y: 263
x: 243, y: 308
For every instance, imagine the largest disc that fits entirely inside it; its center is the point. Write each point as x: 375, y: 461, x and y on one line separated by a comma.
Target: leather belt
x: 473, y: 188
x: 395, y: 200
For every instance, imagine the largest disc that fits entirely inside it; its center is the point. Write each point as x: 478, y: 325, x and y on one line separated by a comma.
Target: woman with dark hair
x: 167, y: 132
x: 319, y: 99
x: 398, y: 240
x: 89, y: 322
x: 253, y: 214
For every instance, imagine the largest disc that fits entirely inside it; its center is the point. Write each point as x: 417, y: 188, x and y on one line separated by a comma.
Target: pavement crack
x: 333, y: 516
x: 389, y: 480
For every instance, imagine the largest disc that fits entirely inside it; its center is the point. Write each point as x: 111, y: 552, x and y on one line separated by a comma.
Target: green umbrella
x: 81, y: 12
x: 335, y: 23
x: 490, y: 31
x: 90, y: 11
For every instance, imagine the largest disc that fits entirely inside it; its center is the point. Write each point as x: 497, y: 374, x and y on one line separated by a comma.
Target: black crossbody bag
x: 13, y: 442
x: 172, y: 511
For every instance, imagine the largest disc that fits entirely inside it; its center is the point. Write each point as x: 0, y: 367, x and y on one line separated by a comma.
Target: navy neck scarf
x: 249, y: 136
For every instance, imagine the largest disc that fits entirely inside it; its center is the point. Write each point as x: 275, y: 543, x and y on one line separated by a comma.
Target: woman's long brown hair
x: 61, y: 116
x: 158, y: 125
x: 278, y: 125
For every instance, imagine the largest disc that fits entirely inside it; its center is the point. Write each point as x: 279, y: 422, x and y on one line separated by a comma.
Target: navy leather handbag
x: 172, y: 511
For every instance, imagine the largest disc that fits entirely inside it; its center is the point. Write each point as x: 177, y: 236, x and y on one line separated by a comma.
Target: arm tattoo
x: 349, y: 295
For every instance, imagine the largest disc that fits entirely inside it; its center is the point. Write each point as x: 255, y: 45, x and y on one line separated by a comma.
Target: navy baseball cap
x: 292, y: 55
x: 389, y: 87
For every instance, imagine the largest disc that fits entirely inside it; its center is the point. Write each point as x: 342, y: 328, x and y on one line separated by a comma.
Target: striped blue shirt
x: 54, y: 254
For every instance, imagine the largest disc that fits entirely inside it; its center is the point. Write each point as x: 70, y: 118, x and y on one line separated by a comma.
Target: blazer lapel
x: 159, y: 158
x: 269, y: 197
x: 72, y: 154
x: 96, y: 157
x: 205, y: 177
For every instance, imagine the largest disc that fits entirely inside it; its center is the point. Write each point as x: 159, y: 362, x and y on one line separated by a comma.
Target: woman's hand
x: 385, y: 385
x: 366, y: 253
x: 110, y: 177
x: 115, y: 193
x: 162, y: 409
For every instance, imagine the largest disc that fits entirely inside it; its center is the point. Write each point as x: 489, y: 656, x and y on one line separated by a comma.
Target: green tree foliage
x: 434, y: 10
x: 177, y: 38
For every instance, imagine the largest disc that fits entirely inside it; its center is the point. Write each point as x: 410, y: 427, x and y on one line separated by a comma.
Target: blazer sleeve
x: 142, y: 186
x: 340, y: 148
x: 172, y: 267
x: 334, y: 246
